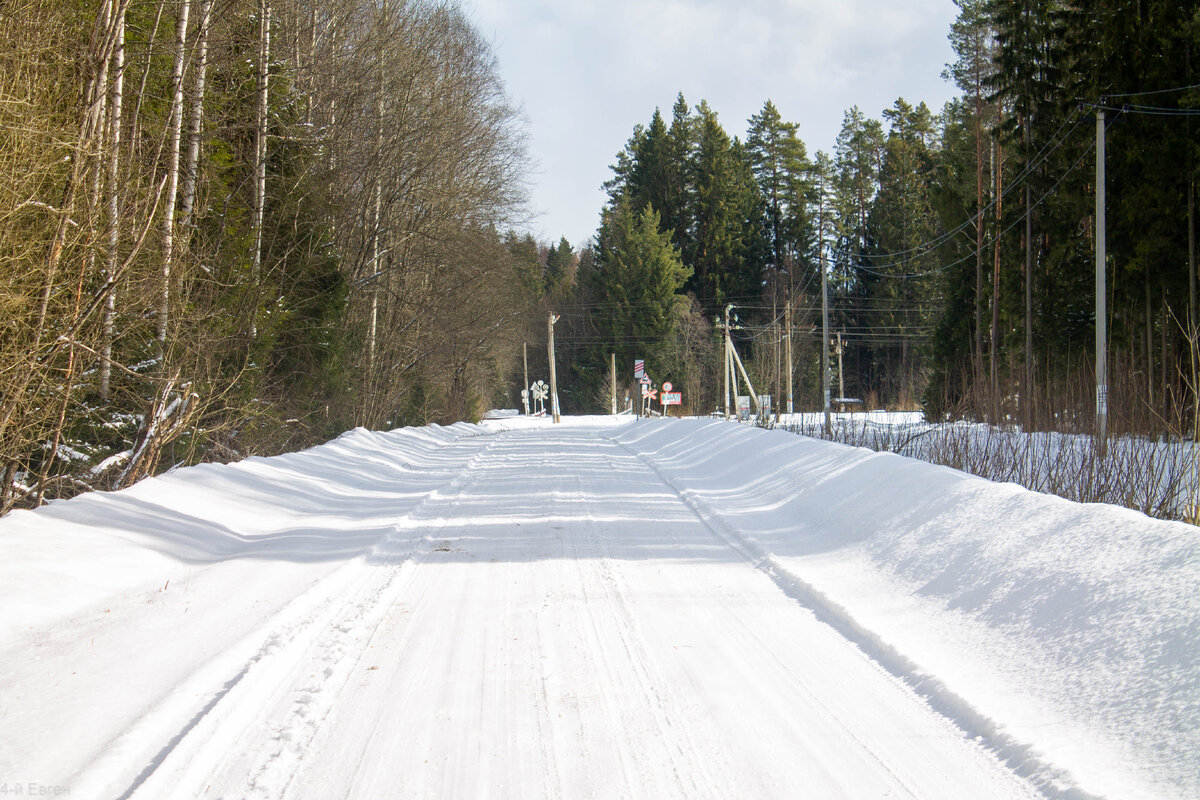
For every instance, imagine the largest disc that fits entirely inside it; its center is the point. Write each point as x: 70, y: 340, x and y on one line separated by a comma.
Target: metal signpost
x: 670, y: 398
x: 540, y: 391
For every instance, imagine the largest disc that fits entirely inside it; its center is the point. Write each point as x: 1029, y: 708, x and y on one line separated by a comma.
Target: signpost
x: 540, y: 391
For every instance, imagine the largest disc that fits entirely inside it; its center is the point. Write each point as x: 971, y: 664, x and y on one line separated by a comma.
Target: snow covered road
x: 463, y: 612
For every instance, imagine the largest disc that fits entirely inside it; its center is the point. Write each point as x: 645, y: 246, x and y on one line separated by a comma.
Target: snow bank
x: 73, y: 554
x: 1066, y: 635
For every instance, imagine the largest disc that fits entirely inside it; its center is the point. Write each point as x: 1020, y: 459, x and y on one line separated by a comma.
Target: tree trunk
x: 978, y: 355
x: 195, y: 123
x: 260, y: 139
x: 114, y: 210
x: 175, y: 133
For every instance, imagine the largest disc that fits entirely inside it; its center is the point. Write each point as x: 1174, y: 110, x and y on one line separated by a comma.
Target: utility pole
x: 825, y: 329
x: 728, y: 360
x: 613, y: 373
x: 525, y: 357
x: 1027, y: 406
x: 1101, y: 296
x: 553, y: 379
x: 742, y: 369
x: 788, y: 322
x: 841, y: 375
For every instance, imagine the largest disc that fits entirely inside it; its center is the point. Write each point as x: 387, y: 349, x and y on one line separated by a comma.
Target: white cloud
x: 587, y: 71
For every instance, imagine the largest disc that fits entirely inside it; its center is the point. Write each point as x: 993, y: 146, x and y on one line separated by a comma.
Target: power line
x: 1156, y: 91
x: 1038, y: 159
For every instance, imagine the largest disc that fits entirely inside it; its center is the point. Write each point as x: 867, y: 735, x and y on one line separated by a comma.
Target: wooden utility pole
x: 553, y: 378
x: 1101, y: 295
x: 1027, y: 406
x: 994, y: 352
x: 525, y: 390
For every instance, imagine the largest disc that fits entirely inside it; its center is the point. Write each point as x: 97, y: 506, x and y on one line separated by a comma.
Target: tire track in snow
x: 1021, y: 758
x: 227, y: 690
x: 696, y: 779
x: 332, y: 660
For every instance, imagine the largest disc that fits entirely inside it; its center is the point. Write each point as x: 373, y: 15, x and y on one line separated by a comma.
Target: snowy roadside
x: 125, y: 612
x: 1066, y: 635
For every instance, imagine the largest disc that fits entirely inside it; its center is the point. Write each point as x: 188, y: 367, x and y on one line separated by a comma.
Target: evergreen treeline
x: 242, y: 226
x: 959, y: 244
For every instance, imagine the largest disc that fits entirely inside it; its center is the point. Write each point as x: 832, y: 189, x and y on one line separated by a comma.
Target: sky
x: 584, y: 72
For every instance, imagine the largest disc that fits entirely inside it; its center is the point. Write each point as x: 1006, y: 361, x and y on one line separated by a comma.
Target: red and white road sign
x: 672, y: 398
x: 668, y: 386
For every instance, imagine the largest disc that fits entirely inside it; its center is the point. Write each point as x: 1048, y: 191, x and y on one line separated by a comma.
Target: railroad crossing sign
x: 540, y: 391
x: 639, y: 368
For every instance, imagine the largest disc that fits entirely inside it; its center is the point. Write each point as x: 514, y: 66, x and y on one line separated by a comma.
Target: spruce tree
x: 781, y: 168
x: 635, y: 285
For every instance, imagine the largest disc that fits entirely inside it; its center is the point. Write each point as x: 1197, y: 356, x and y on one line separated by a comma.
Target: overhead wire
x: 1052, y: 145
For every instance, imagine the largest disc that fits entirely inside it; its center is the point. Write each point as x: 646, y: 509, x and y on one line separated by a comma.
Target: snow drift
x: 1066, y: 634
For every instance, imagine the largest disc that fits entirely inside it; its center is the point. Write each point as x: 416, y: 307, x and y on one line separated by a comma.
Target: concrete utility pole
x: 788, y: 322
x: 553, y: 378
x: 728, y: 360
x: 1101, y: 295
x: 525, y: 356
x: 841, y: 374
x: 613, y: 373
x: 753, y: 394
x: 825, y: 333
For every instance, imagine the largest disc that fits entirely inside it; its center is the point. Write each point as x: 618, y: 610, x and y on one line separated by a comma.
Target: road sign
x: 644, y: 380
x: 639, y: 368
x: 672, y: 398
x: 668, y: 386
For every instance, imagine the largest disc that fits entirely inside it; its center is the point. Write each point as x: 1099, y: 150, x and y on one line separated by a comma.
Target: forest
x: 237, y: 227
x: 958, y: 243
x: 241, y: 227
